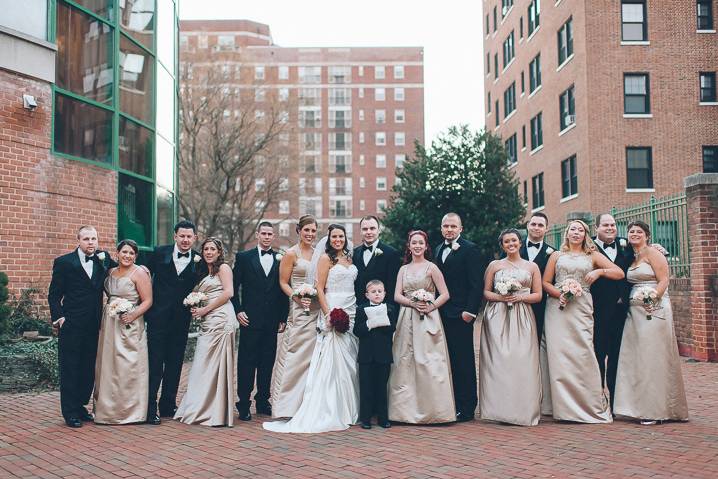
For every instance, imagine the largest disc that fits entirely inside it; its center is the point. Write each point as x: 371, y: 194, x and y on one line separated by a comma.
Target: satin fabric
x: 331, y: 396
x: 209, y: 399
x: 649, y: 383
x: 509, y: 376
x: 296, y: 346
x: 573, y: 373
x: 420, y: 388
x: 121, y: 370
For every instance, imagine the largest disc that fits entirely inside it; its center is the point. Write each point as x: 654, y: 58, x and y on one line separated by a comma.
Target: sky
x: 449, y: 31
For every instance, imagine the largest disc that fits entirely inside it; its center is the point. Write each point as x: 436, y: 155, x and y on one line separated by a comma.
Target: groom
x: 75, y: 298
x: 375, y: 260
x: 460, y: 262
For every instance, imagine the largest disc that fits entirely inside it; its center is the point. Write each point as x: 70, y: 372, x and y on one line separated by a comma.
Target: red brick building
x: 354, y: 113
x: 602, y: 103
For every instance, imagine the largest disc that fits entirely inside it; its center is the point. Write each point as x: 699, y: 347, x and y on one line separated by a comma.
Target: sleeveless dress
x: 295, y: 349
x: 420, y: 388
x: 575, y: 392
x: 121, y: 370
x: 331, y: 396
x: 509, y: 376
x: 649, y: 382
x: 209, y: 399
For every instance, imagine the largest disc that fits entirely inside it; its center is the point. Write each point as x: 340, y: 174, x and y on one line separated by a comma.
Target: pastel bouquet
x: 506, y: 287
x: 339, y: 320
x: 422, y: 296
x: 570, y: 288
x: 120, y: 306
x: 305, y: 291
x: 195, y: 300
x: 649, y: 297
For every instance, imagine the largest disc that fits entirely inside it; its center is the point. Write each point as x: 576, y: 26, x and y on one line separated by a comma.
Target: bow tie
x: 534, y: 245
x: 269, y: 251
x: 609, y: 245
x: 89, y: 257
x: 369, y: 248
x: 182, y: 255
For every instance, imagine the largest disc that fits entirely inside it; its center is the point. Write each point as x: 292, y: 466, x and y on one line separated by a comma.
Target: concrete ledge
x: 27, y: 55
x: 700, y: 179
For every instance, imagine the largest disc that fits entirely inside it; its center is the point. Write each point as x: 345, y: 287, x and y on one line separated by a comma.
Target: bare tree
x: 235, y: 150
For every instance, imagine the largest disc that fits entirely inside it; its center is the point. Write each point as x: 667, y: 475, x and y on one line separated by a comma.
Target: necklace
x: 640, y: 252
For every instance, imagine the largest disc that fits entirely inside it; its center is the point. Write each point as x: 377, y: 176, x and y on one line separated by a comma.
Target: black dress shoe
x: 73, y: 422
x: 365, y: 425
x: 245, y: 416
x: 461, y: 417
x: 168, y: 412
x: 385, y: 423
x: 265, y: 410
x: 86, y: 416
x: 154, y: 420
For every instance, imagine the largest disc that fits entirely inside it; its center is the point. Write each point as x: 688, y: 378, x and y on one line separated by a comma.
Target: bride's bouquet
x: 506, y: 287
x: 195, y: 299
x: 120, y: 306
x: 339, y: 320
x: 305, y: 291
x: 570, y: 288
x: 649, y: 297
x: 422, y: 296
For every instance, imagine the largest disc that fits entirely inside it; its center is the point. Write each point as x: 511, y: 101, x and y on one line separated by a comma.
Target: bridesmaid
x: 509, y: 376
x: 420, y: 389
x: 298, y: 340
x: 209, y: 399
x: 575, y: 392
x: 121, y: 370
x: 649, y: 384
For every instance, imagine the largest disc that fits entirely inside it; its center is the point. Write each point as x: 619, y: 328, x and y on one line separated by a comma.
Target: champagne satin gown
x: 574, y: 392
x: 121, y: 369
x: 210, y: 395
x: 420, y: 388
x: 509, y: 376
x: 649, y: 382
x: 295, y: 349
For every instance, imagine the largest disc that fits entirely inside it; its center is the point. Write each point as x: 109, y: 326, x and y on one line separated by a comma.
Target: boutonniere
x: 196, y: 258
x: 455, y: 246
x: 101, y: 256
x: 378, y: 252
x: 549, y: 250
x: 622, y: 242
x: 279, y: 255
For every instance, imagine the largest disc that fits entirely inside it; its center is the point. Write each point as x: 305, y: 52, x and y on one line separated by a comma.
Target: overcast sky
x: 449, y: 31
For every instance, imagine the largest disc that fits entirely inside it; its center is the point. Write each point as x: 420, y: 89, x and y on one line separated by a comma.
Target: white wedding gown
x: 331, y: 396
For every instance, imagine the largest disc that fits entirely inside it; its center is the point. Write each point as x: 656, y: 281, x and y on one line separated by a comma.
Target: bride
x: 331, y: 396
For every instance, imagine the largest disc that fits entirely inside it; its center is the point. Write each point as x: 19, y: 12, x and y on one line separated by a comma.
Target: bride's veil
x: 318, y: 252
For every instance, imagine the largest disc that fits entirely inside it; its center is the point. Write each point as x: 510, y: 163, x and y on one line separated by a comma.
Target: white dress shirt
x: 610, y: 252
x: 368, y: 254
x: 533, y: 252
x: 180, y: 263
x: 448, y: 249
x: 266, y: 261
x: 86, y: 265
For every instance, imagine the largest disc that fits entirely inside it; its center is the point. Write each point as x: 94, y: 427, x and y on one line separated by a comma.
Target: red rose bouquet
x: 339, y: 320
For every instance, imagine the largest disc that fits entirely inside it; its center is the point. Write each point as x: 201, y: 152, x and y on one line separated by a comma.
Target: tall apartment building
x: 354, y: 114
x: 602, y: 103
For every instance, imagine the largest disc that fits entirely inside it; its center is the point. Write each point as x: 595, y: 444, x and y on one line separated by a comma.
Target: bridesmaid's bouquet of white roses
x: 570, y: 288
x: 305, y: 291
x: 649, y: 297
x: 120, y: 306
x: 422, y: 296
x: 195, y: 299
x: 506, y: 287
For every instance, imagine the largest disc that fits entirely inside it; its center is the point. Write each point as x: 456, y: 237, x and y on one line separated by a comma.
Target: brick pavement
x: 35, y: 443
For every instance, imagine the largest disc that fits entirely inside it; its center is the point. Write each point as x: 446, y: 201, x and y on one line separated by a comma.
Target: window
x: 361, y: 137
x: 509, y: 49
x: 340, y: 118
x: 361, y: 92
x: 506, y: 6
x: 380, y: 138
x: 633, y: 21
x: 379, y: 94
x: 533, y: 15
x: 535, y: 73
x: 340, y: 141
x: 496, y: 66
x: 639, y: 168
x: 380, y: 117
x: 488, y: 63
x: 362, y: 182
x: 310, y: 97
x: 379, y: 72
x: 381, y: 183
x: 399, y: 116
x: 510, y: 146
x: 537, y: 191
x: 340, y: 208
x: 710, y: 159
x: 488, y: 102
x: 283, y: 94
x: 361, y: 71
x: 380, y: 206
x: 283, y: 227
x: 523, y: 83
x: 362, y: 205
x: 526, y: 192
x: 311, y: 163
x: 82, y: 130
x: 310, y: 118
x: 536, y: 132
x: 704, y: 12
x: 496, y: 112
x: 284, y: 207
x: 135, y: 200
x: 496, y: 18
x: 399, y: 160
x: 399, y: 138
x: 381, y: 161
x: 523, y: 136
x: 521, y: 27
x: 310, y: 74
x: 283, y: 73
x: 340, y: 186
x: 509, y: 100
x: 398, y: 72
x: 340, y: 74
x: 569, y: 177
x: 487, y: 25
x: 708, y: 86
x: 340, y: 97
x: 398, y: 94
x: 259, y: 184
x: 312, y: 141
x: 636, y: 98
x: 361, y: 115
x: 566, y: 108
x: 259, y: 94
x: 565, y: 41
x: 259, y: 73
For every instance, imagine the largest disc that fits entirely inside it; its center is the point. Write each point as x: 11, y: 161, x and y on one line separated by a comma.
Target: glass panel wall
x: 136, y: 81
x: 82, y: 130
x: 137, y: 18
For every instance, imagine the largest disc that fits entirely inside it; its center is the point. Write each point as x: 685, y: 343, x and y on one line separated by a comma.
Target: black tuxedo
x: 167, y: 326
x: 541, y: 260
x: 384, y: 267
x: 610, y: 307
x: 375, y: 360
x: 463, y: 272
x: 78, y: 298
x: 260, y: 297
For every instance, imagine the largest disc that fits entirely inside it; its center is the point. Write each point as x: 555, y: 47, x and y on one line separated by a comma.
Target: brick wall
x: 680, y: 292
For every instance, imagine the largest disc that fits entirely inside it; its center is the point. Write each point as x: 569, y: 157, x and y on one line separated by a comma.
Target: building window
x: 488, y: 102
x: 487, y: 24
x: 523, y: 136
x: 521, y: 27
x: 284, y: 229
x: 284, y: 207
x: 340, y: 118
x: 567, y: 108
x: 636, y: 98
x: 509, y: 49
x: 399, y: 138
x: 381, y: 183
x: 533, y: 15
x: 496, y: 66
x: 259, y: 184
x: 526, y: 192
x: 310, y: 118
x: 565, y: 41
x: 361, y: 92
x: 361, y: 137
x: 398, y: 72
x: 569, y: 177
x: 510, y: 146
x: 398, y: 94
x: 361, y: 115
x: 259, y: 94
x: 704, y: 12
x: 380, y: 206
x: 535, y: 73
x: 639, y: 167
x: 537, y: 191
x: 506, y: 6
x: 710, y: 159
x: 340, y: 74
x: 380, y: 138
x: 399, y: 160
x: 399, y: 116
x: 340, y: 97
x: 496, y: 112
x: 259, y: 73
x: 310, y: 74
x: 510, y: 100
x: 488, y: 63
x: 496, y: 18
x: 379, y: 94
x: 362, y: 205
x: 708, y: 86
x: 340, y: 141
x: 379, y: 72
x: 523, y: 83
x: 536, y: 132
x: 283, y: 73
x: 380, y: 117
x: 381, y: 161
x: 340, y: 208
x: 633, y: 21
x: 283, y: 94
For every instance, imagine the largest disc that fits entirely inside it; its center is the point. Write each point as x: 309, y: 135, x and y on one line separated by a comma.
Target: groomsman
x: 375, y: 259
x: 75, y: 298
x: 463, y: 269
x: 537, y: 250
x: 262, y: 310
x: 173, y: 278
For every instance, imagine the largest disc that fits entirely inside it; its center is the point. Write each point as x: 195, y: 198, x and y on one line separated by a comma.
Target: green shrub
x: 22, y: 314
x: 43, y: 355
x: 5, y: 310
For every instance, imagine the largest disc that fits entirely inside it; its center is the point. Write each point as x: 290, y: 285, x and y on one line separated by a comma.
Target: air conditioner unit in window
x: 569, y: 119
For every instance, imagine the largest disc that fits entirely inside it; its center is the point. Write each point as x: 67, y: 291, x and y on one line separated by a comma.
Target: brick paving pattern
x: 35, y: 443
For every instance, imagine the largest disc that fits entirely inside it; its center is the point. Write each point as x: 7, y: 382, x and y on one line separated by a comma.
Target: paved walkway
x: 35, y: 443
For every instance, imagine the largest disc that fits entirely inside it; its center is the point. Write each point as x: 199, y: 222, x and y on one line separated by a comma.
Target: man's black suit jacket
x: 384, y: 267
x: 375, y: 344
x: 169, y: 289
x: 74, y: 295
x: 257, y: 294
x: 541, y: 258
x: 606, y: 291
x: 463, y: 272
